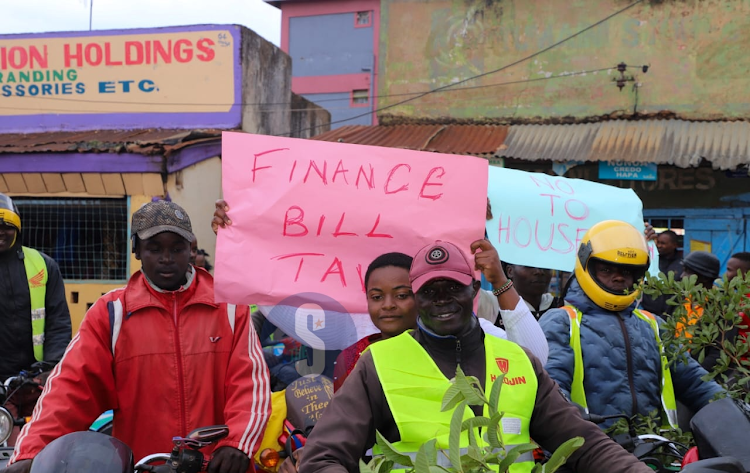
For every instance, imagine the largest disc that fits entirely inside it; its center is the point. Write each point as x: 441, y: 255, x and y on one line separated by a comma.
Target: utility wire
x: 422, y: 94
x: 531, y: 56
x: 265, y: 104
x: 458, y: 89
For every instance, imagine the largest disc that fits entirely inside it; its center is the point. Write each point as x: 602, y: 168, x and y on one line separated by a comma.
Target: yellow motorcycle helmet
x: 614, y: 242
x: 9, y: 214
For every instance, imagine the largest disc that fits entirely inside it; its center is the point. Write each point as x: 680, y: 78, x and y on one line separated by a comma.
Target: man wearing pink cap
x: 397, y: 386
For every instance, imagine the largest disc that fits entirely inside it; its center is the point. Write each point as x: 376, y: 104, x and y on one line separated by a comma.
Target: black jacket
x: 16, y: 349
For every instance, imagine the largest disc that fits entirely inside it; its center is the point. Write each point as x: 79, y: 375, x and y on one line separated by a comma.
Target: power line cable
x: 259, y: 104
x: 531, y: 56
x: 459, y: 89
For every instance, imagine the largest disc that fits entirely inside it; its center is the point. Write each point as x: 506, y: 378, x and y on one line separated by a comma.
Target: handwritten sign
x: 539, y: 220
x: 309, y: 216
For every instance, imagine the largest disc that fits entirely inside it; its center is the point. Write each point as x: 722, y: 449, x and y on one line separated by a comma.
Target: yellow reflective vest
x: 577, y: 393
x: 414, y: 387
x: 36, y: 274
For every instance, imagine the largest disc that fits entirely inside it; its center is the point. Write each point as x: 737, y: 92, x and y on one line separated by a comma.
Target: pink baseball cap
x: 440, y: 259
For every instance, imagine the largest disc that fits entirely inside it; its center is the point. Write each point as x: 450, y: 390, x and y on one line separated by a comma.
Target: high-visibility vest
x: 36, y: 274
x: 414, y: 387
x: 577, y: 393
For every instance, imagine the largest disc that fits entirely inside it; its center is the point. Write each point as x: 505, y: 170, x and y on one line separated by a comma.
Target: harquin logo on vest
x: 510, y: 381
x: 502, y: 363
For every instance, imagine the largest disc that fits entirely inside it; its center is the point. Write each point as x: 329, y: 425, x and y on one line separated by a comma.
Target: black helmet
x: 84, y: 452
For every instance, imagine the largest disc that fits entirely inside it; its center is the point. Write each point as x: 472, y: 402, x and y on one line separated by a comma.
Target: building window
x: 360, y: 98
x: 677, y: 225
x: 363, y: 19
x: 87, y: 237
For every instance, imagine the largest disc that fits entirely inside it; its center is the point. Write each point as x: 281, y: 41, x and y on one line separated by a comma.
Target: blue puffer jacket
x: 612, y: 385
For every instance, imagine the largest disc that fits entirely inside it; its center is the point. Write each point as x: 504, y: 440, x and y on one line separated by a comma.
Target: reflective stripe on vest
x: 36, y: 274
x: 577, y: 393
x: 414, y: 391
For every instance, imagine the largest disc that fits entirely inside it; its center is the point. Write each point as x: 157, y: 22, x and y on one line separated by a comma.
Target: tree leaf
x: 386, y: 466
x: 493, y: 431
x: 364, y: 467
x: 422, y: 462
x: 430, y: 449
x: 390, y: 452
x: 562, y: 454
x: 514, y: 453
x: 451, y: 398
x: 439, y: 469
x: 495, y: 393
x: 454, y: 440
x: 474, y: 453
x: 474, y: 422
x: 473, y: 398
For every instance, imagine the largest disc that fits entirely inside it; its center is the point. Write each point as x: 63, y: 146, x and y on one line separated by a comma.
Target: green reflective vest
x: 414, y: 387
x: 577, y: 393
x: 36, y: 274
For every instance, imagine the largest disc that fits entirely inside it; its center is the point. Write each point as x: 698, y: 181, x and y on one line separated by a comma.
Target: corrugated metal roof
x: 549, y: 142
x: 479, y: 140
x: 681, y: 143
x: 147, y: 142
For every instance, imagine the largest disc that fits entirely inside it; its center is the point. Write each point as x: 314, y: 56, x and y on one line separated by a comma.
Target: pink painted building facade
x: 334, y: 49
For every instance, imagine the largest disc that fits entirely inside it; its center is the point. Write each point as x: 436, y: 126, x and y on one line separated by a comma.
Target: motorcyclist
x: 34, y: 314
x: 162, y: 354
x: 605, y: 354
x: 402, y: 400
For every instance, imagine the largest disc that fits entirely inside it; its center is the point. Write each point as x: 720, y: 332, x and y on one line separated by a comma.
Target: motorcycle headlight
x: 6, y: 425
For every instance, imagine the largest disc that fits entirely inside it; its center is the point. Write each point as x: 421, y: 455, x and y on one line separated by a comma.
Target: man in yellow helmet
x: 604, y: 353
x: 397, y: 386
x: 33, y: 312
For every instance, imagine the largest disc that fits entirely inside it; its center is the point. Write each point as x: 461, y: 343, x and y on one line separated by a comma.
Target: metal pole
x: 91, y: 13
x: 372, y: 91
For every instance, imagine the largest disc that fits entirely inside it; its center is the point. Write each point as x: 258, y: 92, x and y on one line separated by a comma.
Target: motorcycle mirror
x: 209, y: 434
x: 6, y: 425
x: 715, y: 465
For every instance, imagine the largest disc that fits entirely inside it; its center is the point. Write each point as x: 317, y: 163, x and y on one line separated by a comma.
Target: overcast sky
x: 35, y: 16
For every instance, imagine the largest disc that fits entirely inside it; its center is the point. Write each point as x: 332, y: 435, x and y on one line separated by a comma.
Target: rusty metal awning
x: 477, y: 140
x: 145, y: 142
x: 681, y: 143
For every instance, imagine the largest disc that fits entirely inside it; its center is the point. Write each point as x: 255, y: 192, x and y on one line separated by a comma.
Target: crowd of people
x: 168, y: 359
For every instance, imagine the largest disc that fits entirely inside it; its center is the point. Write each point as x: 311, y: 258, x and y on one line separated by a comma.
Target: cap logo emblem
x: 436, y: 255
x: 178, y: 214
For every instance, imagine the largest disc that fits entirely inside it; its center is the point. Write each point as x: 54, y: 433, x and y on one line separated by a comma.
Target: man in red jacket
x: 163, y: 355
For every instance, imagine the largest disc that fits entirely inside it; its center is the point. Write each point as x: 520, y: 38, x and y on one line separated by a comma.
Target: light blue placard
x: 627, y: 171
x: 539, y: 220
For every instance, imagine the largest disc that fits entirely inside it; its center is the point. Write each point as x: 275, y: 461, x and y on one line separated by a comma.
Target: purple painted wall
x: 79, y: 162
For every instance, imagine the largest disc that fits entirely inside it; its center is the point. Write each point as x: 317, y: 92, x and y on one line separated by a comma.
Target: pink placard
x: 309, y: 216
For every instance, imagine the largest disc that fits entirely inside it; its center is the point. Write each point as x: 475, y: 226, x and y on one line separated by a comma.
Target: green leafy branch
x: 479, y: 457
x: 713, y: 333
